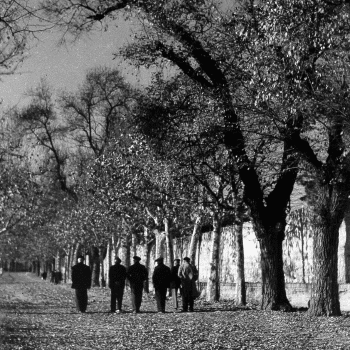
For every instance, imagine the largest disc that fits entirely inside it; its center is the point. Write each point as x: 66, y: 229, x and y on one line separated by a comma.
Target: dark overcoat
x: 81, y: 276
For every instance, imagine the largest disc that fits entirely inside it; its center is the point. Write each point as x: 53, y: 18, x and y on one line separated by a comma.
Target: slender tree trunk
x: 160, y: 237
x: 213, y: 280
x: 169, y: 243
x: 347, y: 245
x: 134, y: 244
x: 124, y: 250
x: 76, y: 253
x: 116, y: 242
x: 194, y: 239
x: 95, y: 267
x: 241, y: 298
x: 102, y: 253
x: 108, y: 260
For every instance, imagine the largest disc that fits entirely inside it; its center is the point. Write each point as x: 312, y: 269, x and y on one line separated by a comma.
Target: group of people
x: 181, y: 277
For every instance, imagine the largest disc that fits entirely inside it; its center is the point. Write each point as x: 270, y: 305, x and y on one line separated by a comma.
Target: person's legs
x: 157, y: 294
x: 191, y: 303
x: 163, y: 299
x: 133, y: 298
x: 120, y: 294
x: 174, y: 297
x: 81, y: 299
x: 113, y: 299
x: 138, y: 297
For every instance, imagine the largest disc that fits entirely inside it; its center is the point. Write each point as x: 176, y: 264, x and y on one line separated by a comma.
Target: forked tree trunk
x: 241, y: 298
x: 195, y: 239
x: 273, y: 284
x: 212, y: 293
x: 169, y: 243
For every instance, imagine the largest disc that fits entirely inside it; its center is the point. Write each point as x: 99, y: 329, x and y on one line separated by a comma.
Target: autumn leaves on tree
x: 256, y: 94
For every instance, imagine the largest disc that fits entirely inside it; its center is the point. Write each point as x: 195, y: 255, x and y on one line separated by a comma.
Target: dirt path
x: 35, y: 315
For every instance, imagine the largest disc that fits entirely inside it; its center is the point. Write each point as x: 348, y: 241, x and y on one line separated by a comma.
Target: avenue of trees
x: 256, y: 99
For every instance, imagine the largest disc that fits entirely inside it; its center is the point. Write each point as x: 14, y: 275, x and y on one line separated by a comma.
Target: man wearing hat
x: 117, y: 276
x: 137, y: 275
x: 188, y: 274
x: 175, y: 283
x: 81, y: 282
x: 161, y: 282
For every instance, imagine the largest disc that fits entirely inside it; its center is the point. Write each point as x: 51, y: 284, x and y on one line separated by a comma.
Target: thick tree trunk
x: 273, y: 285
x: 325, y: 292
x: 195, y: 239
x: 213, y: 291
x: 241, y: 298
x: 169, y: 243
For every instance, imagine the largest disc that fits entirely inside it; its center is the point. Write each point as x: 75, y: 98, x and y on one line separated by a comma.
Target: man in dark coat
x: 175, y: 283
x: 161, y: 282
x: 137, y: 275
x: 81, y: 282
x: 117, y: 276
x: 188, y: 274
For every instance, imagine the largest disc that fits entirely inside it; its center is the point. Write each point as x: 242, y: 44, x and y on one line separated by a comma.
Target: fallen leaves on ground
x: 35, y: 314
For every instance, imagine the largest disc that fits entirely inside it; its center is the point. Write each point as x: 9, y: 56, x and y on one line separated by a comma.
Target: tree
x: 205, y: 44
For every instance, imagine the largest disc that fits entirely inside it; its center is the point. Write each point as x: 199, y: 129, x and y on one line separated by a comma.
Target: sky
x: 65, y: 66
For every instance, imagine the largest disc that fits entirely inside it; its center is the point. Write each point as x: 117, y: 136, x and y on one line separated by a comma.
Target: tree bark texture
x: 160, y: 238
x: 241, y: 297
x: 213, y: 293
x: 95, y: 267
x: 347, y: 246
x: 273, y: 284
x: 169, y: 243
x: 194, y: 239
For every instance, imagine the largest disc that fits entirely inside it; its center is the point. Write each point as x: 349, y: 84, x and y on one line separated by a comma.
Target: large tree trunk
x: 195, y: 239
x: 213, y: 291
x: 169, y: 243
x: 329, y: 212
x: 241, y: 298
x: 273, y: 284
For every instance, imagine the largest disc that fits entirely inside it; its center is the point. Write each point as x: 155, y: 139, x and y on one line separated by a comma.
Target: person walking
x: 175, y: 283
x: 81, y: 282
x: 188, y: 274
x: 161, y: 282
x: 137, y: 275
x: 117, y: 276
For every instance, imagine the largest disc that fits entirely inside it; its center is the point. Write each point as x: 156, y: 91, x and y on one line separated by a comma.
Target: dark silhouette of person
x: 161, y: 282
x: 188, y: 274
x: 81, y: 282
x: 175, y: 283
x: 44, y: 275
x: 117, y: 276
x: 137, y: 275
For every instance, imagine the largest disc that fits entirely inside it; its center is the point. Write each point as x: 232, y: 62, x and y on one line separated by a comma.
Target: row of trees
x: 257, y: 95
